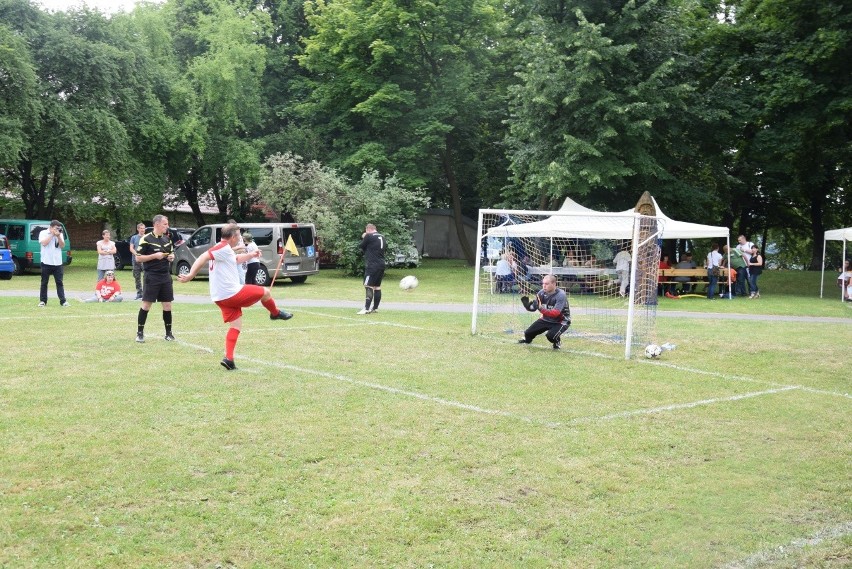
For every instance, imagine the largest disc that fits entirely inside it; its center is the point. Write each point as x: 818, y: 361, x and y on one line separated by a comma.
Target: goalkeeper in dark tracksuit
x: 555, y: 318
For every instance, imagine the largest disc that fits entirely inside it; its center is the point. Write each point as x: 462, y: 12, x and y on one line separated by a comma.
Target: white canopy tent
x: 587, y: 224
x: 844, y: 235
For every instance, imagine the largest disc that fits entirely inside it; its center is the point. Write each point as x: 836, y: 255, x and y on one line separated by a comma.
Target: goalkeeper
x: 552, y: 302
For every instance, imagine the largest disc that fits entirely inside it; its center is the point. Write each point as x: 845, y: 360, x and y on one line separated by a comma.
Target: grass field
x: 400, y: 440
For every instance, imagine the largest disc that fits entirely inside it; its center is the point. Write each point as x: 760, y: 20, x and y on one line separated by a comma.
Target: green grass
x: 401, y: 440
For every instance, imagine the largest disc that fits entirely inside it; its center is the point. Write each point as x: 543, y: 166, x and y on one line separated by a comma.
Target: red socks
x: 270, y: 306
x: 231, y: 342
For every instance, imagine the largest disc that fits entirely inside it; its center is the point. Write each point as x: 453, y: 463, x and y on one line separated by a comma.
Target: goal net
x: 607, y: 264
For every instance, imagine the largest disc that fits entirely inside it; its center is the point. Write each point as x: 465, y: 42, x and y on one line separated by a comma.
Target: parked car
x: 22, y: 235
x: 122, y: 248
x: 271, y: 239
x: 7, y: 267
x: 406, y: 257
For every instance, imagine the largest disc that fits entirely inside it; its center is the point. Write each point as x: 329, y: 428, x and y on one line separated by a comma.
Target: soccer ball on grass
x: 653, y: 351
x: 408, y: 283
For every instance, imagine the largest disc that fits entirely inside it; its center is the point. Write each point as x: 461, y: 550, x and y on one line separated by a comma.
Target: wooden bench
x: 696, y: 276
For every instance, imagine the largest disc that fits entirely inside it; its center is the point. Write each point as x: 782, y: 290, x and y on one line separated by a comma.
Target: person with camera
x: 52, y: 240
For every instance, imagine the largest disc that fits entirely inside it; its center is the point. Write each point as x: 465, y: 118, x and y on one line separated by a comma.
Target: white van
x: 271, y: 239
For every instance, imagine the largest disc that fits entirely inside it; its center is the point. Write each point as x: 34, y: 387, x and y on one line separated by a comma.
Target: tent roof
x: 588, y: 223
x: 844, y: 234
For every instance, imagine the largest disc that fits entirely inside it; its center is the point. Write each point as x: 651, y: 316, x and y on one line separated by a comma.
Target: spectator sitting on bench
x: 685, y: 262
x: 503, y: 274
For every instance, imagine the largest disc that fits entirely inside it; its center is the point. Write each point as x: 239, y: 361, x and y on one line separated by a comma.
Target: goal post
x: 607, y: 263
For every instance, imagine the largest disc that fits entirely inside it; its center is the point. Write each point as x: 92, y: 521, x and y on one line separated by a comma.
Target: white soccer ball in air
x: 408, y: 283
x: 653, y: 351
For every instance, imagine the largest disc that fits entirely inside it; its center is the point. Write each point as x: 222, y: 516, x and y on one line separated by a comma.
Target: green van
x: 23, y: 241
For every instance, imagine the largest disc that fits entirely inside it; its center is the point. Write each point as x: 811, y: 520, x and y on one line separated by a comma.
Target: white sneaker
x: 372, y: 311
x: 42, y: 304
x: 363, y: 311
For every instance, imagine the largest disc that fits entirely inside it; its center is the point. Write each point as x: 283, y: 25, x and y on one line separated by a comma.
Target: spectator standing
x: 844, y: 280
x: 253, y: 264
x: 52, y: 240
x: 755, y: 268
x: 745, y: 247
x: 137, y: 266
x: 106, y: 254
x: 373, y: 245
x: 713, y: 266
x: 239, y: 249
x: 740, y: 265
x: 622, y: 268
x: 156, y: 250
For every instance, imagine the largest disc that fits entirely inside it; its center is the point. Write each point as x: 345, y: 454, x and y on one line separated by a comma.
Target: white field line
x: 494, y: 412
x: 93, y: 316
x: 377, y: 386
x: 365, y: 321
x: 676, y: 406
x: 769, y: 557
x: 725, y: 376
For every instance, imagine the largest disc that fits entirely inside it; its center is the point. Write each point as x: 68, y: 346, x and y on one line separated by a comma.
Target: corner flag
x: 291, y: 246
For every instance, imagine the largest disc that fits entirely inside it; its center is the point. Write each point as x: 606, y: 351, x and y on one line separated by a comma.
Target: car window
x: 201, y: 237
x: 15, y: 232
x: 262, y: 235
x: 3, y: 243
x: 302, y: 236
x: 35, y: 229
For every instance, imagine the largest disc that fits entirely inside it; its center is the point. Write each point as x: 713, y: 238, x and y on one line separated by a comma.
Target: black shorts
x: 158, y: 291
x: 373, y: 277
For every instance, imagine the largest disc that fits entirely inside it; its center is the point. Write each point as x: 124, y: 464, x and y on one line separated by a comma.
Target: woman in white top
x: 106, y: 251
x: 254, y: 263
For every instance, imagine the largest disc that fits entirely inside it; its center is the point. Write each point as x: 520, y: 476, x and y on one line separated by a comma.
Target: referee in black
x: 373, y: 245
x: 156, y: 251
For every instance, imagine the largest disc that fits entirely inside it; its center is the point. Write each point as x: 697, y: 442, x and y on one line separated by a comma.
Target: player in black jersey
x: 156, y: 252
x: 373, y: 246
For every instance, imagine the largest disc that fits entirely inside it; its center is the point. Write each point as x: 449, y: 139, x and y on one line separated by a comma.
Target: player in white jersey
x: 227, y: 292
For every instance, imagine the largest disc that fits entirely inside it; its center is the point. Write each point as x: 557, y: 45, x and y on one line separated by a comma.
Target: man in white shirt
x: 226, y: 290
x: 622, y: 269
x: 744, y: 246
x: 52, y: 240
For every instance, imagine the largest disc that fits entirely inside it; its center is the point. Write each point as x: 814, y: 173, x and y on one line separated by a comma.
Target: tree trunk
x: 449, y: 172
x: 817, y: 209
x: 189, y: 189
x: 39, y: 203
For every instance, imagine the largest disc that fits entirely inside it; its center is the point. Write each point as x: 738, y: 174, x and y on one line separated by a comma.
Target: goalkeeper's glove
x: 525, y: 300
x: 533, y: 306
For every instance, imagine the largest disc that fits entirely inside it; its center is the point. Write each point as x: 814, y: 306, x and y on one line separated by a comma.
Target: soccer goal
x: 607, y: 263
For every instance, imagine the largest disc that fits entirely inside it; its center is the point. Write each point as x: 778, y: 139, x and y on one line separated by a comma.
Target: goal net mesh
x: 604, y: 263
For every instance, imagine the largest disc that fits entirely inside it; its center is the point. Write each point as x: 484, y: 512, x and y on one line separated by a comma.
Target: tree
x: 19, y: 102
x: 223, y: 63
x: 339, y: 208
x: 794, y: 56
x: 602, y: 104
x: 407, y: 88
x: 95, y: 115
